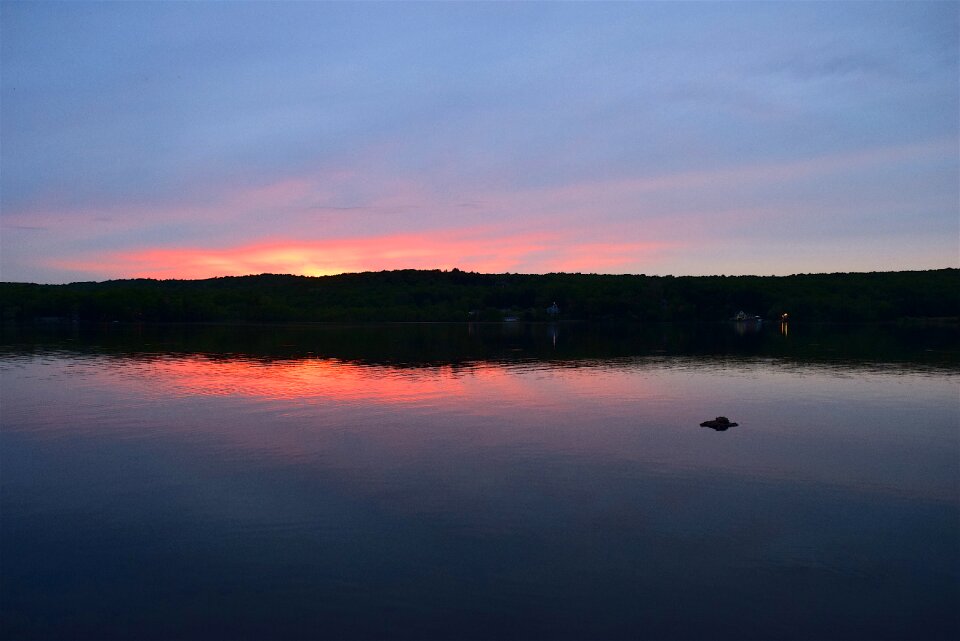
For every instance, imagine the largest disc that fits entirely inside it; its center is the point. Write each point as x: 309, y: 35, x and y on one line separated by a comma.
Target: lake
x: 479, y: 481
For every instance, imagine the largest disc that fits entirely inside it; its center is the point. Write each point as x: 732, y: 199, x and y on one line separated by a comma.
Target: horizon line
x: 458, y: 270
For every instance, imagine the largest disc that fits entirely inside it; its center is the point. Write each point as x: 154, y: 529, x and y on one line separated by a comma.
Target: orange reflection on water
x: 329, y: 379
x: 475, y: 388
x: 400, y: 414
x: 371, y: 418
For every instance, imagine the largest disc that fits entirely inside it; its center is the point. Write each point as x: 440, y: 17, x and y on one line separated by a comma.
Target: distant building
x: 553, y: 310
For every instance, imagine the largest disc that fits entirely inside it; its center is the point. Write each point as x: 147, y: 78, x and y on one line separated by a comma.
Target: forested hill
x: 417, y: 295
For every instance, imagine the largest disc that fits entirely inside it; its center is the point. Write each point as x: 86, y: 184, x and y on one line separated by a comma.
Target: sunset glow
x: 580, y: 138
x: 401, y: 251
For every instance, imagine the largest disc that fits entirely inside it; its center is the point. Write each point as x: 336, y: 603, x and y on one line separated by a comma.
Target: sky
x: 200, y: 139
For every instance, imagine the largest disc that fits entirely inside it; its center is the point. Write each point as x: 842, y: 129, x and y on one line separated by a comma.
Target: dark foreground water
x: 484, y: 481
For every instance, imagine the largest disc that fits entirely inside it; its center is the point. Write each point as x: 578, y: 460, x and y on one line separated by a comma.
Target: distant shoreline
x: 947, y: 321
x: 458, y: 296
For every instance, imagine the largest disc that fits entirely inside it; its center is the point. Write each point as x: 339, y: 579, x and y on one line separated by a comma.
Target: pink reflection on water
x: 326, y: 380
x: 804, y: 426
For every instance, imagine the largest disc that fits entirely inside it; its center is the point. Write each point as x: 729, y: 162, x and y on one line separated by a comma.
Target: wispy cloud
x: 475, y: 249
x: 25, y: 227
x: 589, y: 137
x: 614, y: 225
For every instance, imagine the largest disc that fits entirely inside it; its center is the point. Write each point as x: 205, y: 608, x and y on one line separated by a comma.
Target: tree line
x: 455, y: 295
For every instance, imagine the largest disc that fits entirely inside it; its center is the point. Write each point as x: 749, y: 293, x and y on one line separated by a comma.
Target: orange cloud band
x: 481, y: 252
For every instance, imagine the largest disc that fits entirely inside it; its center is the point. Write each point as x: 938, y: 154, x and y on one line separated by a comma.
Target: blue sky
x: 202, y: 139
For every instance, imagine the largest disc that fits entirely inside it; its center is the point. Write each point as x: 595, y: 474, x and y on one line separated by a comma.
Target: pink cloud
x: 352, y: 220
x: 479, y: 249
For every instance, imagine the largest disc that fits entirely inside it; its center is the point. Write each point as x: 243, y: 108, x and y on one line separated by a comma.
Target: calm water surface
x: 481, y: 481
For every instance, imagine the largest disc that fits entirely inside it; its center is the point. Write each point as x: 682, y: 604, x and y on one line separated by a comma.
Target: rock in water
x: 720, y: 423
